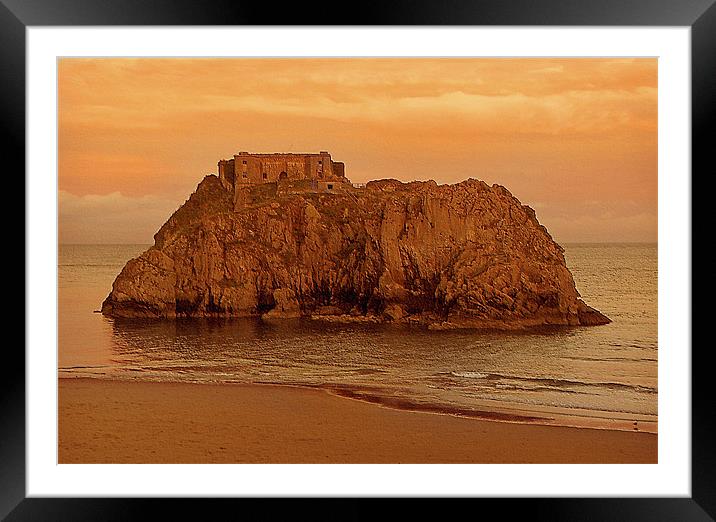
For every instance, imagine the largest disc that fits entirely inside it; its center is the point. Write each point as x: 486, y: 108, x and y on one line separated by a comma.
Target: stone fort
x: 299, y: 172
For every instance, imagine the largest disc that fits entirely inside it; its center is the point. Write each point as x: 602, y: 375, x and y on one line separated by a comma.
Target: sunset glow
x: 576, y: 139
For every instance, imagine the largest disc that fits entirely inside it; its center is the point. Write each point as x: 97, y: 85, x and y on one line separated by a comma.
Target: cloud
x: 143, y: 132
x: 503, y: 96
x: 607, y: 226
x: 111, y: 218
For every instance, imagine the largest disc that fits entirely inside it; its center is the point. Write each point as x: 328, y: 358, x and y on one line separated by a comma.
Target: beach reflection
x: 456, y: 371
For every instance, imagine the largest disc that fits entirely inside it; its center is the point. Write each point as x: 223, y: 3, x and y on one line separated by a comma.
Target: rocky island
x: 287, y: 235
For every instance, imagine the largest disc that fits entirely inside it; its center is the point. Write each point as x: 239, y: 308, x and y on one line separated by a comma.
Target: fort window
x: 283, y: 175
x: 244, y: 162
x: 244, y: 175
x: 330, y: 187
x: 320, y: 162
x: 265, y: 176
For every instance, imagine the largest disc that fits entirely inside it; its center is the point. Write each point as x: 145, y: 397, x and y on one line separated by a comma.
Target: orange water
x: 603, y: 376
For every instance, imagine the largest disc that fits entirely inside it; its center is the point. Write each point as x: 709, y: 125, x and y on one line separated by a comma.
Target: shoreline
x: 499, y: 414
x: 124, y: 421
x: 547, y: 416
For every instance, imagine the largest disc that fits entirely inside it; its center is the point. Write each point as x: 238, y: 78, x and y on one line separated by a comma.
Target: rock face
x: 463, y: 255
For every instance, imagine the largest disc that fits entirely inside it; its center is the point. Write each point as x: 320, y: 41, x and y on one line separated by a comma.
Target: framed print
x: 435, y: 253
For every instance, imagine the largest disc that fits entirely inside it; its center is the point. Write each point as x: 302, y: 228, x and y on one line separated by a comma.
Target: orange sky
x: 576, y: 139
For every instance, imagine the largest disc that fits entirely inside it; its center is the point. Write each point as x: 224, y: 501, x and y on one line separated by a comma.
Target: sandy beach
x: 104, y: 421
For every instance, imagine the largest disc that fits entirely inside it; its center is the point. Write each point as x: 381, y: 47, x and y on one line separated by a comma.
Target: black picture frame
x: 699, y: 15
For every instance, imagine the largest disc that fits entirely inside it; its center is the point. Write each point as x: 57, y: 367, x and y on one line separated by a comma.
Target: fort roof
x: 268, y: 154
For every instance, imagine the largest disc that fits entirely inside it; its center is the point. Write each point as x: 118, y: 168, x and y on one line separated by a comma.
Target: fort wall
x: 246, y: 169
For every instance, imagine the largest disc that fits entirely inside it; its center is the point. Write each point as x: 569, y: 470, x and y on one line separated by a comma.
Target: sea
x: 602, y: 377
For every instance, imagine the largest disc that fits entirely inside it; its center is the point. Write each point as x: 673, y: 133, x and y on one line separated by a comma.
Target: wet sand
x: 102, y: 421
